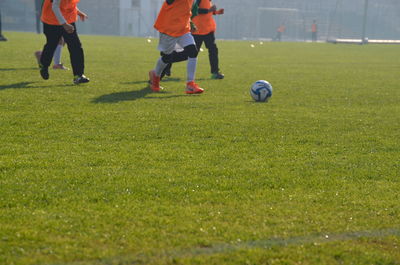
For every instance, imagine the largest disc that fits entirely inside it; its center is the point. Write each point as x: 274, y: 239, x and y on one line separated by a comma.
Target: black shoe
x: 80, y: 79
x: 2, y: 38
x: 44, y: 72
x: 217, y: 75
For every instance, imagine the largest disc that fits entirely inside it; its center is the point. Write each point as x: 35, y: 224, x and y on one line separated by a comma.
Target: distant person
x: 205, y: 32
x: 59, y: 17
x: 314, y: 31
x: 57, y: 64
x: 2, y: 38
x: 279, y: 32
x: 174, y: 25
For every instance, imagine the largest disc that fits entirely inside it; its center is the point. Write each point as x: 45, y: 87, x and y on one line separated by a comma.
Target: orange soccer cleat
x: 193, y: 88
x: 154, y: 81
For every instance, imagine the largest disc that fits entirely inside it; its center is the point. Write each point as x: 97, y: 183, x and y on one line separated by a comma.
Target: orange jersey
x: 174, y: 19
x: 205, y: 23
x: 68, y: 10
x: 281, y: 28
x: 313, y: 28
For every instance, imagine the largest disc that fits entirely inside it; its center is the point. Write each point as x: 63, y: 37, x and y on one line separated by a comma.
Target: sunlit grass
x: 110, y: 173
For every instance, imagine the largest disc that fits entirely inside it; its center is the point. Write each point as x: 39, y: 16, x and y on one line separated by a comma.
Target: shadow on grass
x: 29, y: 85
x: 122, y: 96
x: 16, y: 69
x: 171, y: 79
x: 146, y: 81
x: 16, y: 85
x: 131, y: 96
x: 177, y: 79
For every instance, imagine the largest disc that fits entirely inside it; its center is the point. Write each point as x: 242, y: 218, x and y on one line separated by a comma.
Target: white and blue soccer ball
x: 261, y: 91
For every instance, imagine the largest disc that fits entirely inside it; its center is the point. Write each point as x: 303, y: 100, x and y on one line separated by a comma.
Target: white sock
x: 160, y: 67
x: 57, y: 55
x: 191, y: 69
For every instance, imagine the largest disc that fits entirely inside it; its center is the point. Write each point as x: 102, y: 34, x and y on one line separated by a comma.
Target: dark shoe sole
x: 81, y: 81
x: 44, y: 73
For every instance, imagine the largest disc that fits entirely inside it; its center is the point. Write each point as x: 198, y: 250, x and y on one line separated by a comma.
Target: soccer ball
x: 261, y: 91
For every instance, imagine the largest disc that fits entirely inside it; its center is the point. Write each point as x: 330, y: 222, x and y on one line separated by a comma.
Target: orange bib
x: 205, y: 23
x: 314, y: 28
x: 68, y: 10
x: 174, y: 19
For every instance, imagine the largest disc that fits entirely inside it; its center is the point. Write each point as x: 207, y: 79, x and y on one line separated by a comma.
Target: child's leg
x: 167, y: 69
x: 209, y: 40
x: 166, y: 46
x: 190, y: 50
x: 58, y: 52
x: 198, y: 39
x: 57, y: 55
x: 160, y: 65
x: 191, y: 68
x: 53, y: 34
x: 75, y: 51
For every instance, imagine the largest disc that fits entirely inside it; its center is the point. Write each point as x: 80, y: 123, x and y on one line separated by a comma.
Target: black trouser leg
x: 75, y: 51
x: 53, y: 35
x: 167, y: 69
x: 189, y: 51
x: 209, y: 41
x: 177, y: 57
x: 198, y: 39
x: 314, y: 36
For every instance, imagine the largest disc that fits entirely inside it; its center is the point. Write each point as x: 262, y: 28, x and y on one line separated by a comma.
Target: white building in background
x: 106, y: 17
x: 136, y: 17
x: 120, y: 17
x: 243, y: 19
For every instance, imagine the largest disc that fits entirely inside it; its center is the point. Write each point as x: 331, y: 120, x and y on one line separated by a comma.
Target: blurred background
x: 243, y: 19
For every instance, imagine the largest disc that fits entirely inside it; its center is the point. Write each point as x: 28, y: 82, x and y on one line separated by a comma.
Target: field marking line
x: 300, y: 240
x: 230, y: 247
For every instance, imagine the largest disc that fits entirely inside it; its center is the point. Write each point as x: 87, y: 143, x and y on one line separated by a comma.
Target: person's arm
x: 220, y: 11
x: 206, y: 11
x: 57, y: 11
x: 82, y: 15
x: 203, y: 11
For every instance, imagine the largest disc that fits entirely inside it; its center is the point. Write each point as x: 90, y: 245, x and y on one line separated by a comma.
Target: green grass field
x: 110, y: 173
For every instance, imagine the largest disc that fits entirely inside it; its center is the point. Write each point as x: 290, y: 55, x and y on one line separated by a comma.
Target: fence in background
x: 251, y: 19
